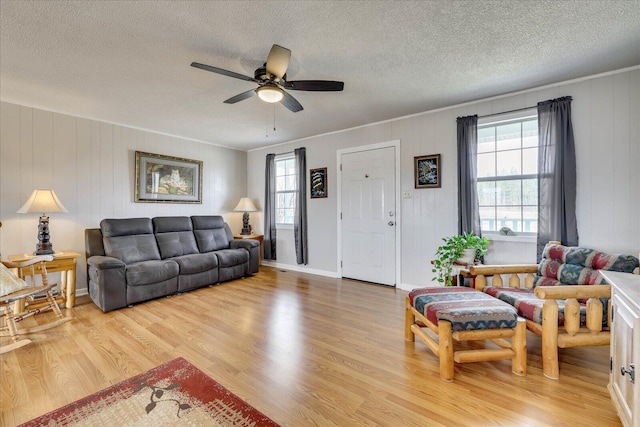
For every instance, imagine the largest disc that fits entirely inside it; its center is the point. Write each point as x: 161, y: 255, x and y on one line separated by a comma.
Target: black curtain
x: 270, y: 208
x: 300, y: 214
x: 468, y: 209
x: 556, y: 175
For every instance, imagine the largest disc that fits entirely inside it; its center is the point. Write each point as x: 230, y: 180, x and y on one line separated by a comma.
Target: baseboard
x: 408, y: 287
x: 301, y: 269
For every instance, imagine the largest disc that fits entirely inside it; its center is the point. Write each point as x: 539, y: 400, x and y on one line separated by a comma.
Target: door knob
x: 391, y: 223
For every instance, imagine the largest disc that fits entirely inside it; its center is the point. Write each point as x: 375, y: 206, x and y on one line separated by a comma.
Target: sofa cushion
x: 232, y: 257
x: 196, y: 263
x: 210, y: 233
x: 148, y: 272
x: 125, y: 227
x: 132, y: 249
x: 174, y: 236
x: 130, y: 240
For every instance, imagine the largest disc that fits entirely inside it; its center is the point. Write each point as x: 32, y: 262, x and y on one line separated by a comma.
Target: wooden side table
x: 63, y: 262
x: 258, y: 237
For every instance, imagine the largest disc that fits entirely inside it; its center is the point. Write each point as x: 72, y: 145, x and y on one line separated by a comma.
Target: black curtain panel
x: 556, y: 175
x: 300, y: 214
x: 468, y: 209
x: 270, y: 208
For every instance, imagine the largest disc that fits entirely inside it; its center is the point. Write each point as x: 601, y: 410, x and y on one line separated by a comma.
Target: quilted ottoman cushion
x: 466, y: 309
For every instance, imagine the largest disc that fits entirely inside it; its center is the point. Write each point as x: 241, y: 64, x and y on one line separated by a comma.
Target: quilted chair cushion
x: 563, y: 265
x: 530, y: 307
x: 9, y: 282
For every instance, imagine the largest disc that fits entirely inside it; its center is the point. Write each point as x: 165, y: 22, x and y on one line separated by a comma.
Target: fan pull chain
x: 267, y: 122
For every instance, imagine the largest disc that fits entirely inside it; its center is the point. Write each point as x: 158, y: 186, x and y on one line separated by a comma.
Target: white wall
x: 91, y: 167
x: 606, y: 122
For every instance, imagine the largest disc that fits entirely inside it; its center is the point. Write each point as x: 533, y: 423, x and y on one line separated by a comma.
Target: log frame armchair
x: 571, y: 309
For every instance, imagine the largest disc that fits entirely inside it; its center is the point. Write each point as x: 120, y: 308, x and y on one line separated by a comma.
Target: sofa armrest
x: 253, y: 246
x: 105, y: 262
x: 107, y: 282
x: 243, y: 243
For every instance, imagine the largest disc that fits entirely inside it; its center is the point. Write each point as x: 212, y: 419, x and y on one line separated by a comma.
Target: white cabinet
x: 624, y: 377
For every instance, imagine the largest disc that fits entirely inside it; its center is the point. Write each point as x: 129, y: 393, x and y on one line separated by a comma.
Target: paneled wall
x: 606, y: 122
x: 91, y: 167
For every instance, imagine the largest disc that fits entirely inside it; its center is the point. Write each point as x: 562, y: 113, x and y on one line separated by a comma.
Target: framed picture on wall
x: 427, y: 171
x: 318, y: 179
x: 166, y: 179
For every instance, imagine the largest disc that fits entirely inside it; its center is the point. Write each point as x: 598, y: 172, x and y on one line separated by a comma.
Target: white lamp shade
x: 245, y: 205
x: 42, y: 201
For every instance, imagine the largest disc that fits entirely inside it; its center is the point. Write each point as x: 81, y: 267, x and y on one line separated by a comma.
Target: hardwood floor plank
x: 305, y: 350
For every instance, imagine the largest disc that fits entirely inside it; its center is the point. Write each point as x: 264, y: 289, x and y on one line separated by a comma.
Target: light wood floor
x: 305, y: 350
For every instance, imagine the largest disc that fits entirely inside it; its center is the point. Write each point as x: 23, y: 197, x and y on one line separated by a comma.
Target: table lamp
x: 245, y: 205
x: 43, y: 201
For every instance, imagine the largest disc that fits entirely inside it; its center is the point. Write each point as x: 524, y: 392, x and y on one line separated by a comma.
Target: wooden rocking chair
x: 27, y: 301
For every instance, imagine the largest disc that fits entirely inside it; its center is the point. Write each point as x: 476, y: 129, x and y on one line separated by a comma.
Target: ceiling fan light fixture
x: 271, y: 94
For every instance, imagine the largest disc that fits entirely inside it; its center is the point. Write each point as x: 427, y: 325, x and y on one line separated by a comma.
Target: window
x: 285, y: 190
x: 508, y: 175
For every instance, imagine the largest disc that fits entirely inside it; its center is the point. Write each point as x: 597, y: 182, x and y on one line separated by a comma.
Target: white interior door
x: 368, y: 201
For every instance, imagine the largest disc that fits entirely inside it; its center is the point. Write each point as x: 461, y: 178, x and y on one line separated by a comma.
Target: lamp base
x: 44, y: 246
x: 246, y: 228
x: 44, y: 249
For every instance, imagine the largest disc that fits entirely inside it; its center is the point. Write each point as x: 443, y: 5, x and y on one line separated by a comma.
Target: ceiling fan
x: 272, y: 80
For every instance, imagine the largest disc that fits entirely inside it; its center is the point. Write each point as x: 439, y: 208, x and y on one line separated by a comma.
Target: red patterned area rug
x: 174, y: 394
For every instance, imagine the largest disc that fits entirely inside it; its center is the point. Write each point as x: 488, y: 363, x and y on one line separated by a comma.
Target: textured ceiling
x: 129, y: 62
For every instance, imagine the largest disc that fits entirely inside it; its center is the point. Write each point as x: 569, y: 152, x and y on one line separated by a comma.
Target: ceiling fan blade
x: 241, y: 97
x: 291, y: 103
x: 223, y: 72
x: 315, y: 85
x: 278, y: 61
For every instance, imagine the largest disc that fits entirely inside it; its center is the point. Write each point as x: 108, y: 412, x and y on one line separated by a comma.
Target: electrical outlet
x: 406, y: 194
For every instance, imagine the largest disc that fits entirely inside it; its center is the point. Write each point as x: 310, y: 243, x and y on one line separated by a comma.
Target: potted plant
x: 451, y: 251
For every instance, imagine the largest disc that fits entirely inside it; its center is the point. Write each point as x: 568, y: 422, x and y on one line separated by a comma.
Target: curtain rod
x: 507, y: 112
x: 286, y: 152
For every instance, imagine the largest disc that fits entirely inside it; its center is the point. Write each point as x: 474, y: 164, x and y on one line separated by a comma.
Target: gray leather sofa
x: 137, y: 259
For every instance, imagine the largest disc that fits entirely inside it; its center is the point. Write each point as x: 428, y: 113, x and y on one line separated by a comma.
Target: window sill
x: 514, y: 239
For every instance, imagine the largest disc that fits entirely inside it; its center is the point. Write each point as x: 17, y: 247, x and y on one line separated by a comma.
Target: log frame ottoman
x: 465, y: 314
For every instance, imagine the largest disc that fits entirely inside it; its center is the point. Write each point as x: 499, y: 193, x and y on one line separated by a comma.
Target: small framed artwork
x: 427, y: 171
x: 318, y: 178
x: 166, y: 179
